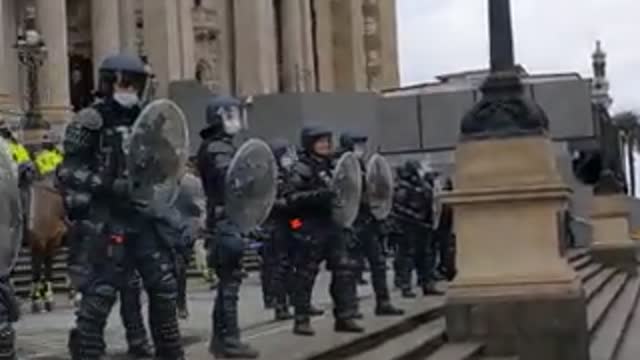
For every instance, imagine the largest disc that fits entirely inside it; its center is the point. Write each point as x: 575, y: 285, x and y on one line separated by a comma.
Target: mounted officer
x: 11, y: 218
x: 225, y: 238
x: 124, y: 238
x: 368, y: 231
x: 317, y: 235
x: 414, y: 213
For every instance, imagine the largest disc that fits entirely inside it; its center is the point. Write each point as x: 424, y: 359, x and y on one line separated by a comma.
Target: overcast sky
x: 441, y: 36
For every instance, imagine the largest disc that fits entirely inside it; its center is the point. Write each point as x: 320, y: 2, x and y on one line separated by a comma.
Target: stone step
x: 595, y: 284
x: 574, y: 255
x: 329, y: 345
x: 606, y: 341
x: 599, y: 306
x: 589, y: 272
x: 582, y: 263
x: 462, y: 351
x: 629, y: 348
x: 421, y: 341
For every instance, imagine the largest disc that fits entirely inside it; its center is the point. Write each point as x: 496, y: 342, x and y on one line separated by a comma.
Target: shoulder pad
x: 220, y: 147
x: 89, y: 118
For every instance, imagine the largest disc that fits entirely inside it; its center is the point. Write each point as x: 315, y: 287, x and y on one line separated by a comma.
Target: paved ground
x: 44, y: 336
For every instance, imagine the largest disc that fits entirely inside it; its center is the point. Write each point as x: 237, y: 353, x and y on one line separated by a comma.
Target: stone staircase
x: 21, y: 275
x: 612, y: 297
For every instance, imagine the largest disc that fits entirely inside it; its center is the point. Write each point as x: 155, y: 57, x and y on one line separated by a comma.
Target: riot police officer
x: 281, y: 247
x: 226, y: 244
x: 189, y: 213
x: 124, y: 235
x: 413, y: 212
x: 317, y: 236
x: 368, y: 232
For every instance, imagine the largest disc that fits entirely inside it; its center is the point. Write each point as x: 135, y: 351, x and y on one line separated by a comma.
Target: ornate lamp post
x: 504, y: 110
x: 32, y: 53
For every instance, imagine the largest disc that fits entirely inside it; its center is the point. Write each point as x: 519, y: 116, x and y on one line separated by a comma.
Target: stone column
x: 386, y: 34
x: 166, y: 29
x: 105, y: 31
x: 187, y: 40
x: 10, y: 77
x: 128, y: 33
x: 612, y: 243
x: 255, y: 57
x: 54, y: 75
x: 348, y: 43
x: 298, y: 63
x: 5, y: 52
x: 324, y: 45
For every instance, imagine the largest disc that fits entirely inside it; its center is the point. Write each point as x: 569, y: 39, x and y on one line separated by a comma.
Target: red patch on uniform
x: 117, y: 239
x: 295, y: 224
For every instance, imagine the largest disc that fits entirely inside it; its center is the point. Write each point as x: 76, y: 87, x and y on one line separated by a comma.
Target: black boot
x: 183, y: 313
x: 232, y: 348
x: 302, y: 326
x: 314, y: 311
x: 408, y: 294
x: 385, y: 308
x: 141, y: 351
x: 430, y: 290
x: 283, y: 313
x: 348, y: 326
x: 358, y: 315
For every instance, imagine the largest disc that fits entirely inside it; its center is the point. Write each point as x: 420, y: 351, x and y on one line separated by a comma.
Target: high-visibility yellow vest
x: 47, y: 161
x: 19, y: 153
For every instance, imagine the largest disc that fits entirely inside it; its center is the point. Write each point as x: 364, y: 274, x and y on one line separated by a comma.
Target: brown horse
x: 45, y: 232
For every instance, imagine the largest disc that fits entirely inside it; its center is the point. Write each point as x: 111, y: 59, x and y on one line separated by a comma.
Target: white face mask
x: 360, y: 150
x: 231, y: 120
x: 126, y: 99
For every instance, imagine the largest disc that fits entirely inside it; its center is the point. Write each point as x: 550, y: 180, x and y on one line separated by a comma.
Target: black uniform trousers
x: 317, y: 241
x: 121, y: 255
x: 371, y: 248
x: 225, y: 245
x: 80, y: 235
x: 9, y: 313
x: 283, y: 269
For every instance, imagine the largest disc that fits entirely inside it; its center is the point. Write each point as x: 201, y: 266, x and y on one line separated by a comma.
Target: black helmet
x: 123, y: 68
x: 217, y: 103
x: 223, y: 116
x: 412, y: 167
x: 312, y: 133
x: 349, y: 139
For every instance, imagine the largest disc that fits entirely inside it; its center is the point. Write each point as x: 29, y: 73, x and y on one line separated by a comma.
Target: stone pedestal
x: 612, y: 244
x: 515, y: 291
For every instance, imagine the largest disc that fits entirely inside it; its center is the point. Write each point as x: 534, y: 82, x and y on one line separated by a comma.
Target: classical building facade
x: 241, y: 47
